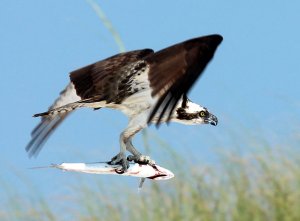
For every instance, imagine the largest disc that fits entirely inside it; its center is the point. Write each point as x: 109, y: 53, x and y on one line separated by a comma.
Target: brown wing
x: 104, y: 80
x: 175, y: 69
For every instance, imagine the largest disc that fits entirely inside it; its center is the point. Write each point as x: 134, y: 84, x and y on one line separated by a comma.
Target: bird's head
x: 190, y: 113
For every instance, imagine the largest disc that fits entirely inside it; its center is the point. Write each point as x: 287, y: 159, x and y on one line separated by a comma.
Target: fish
x: 153, y: 172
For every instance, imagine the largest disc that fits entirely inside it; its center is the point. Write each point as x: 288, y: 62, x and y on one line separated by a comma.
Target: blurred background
x: 246, y: 168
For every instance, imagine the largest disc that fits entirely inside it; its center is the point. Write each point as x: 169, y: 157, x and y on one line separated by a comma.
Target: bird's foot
x: 120, y: 159
x: 141, y: 159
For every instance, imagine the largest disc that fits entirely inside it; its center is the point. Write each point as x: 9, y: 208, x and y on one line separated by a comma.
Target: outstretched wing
x: 107, y: 80
x: 174, y: 70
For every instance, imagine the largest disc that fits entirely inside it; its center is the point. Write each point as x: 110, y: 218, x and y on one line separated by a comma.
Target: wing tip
x: 41, y: 114
x: 217, y: 39
x: 213, y: 40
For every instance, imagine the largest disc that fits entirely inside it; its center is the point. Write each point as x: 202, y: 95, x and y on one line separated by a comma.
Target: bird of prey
x: 149, y: 87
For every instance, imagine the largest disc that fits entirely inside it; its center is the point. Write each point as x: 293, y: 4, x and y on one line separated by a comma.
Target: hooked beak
x: 212, y: 119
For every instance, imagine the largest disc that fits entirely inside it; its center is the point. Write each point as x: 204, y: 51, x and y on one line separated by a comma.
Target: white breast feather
x: 142, y: 99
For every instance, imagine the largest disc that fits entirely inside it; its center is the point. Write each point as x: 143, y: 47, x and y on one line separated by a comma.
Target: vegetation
x: 241, y: 187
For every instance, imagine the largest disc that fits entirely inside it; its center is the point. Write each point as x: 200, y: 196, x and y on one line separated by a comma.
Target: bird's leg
x: 121, y: 158
x: 136, y: 124
x: 137, y: 156
x: 125, y: 137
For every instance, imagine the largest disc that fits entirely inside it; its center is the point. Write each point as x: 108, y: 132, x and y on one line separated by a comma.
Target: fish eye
x: 202, y: 114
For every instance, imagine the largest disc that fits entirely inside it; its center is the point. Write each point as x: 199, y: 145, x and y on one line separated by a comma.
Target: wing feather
x: 104, y: 80
x: 43, y: 131
x: 49, y: 122
x: 174, y: 70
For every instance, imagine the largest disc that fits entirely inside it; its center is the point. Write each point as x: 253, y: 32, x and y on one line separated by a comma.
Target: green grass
x: 252, y: 186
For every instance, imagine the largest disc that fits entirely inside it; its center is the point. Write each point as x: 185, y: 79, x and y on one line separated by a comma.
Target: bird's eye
x: 202, y: 113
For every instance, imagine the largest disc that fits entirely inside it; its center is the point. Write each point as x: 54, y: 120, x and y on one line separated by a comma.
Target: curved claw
x: 120, y: 159
x: 141, y: 159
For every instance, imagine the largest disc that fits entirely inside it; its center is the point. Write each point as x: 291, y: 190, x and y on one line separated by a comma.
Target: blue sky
x: 252, y: 83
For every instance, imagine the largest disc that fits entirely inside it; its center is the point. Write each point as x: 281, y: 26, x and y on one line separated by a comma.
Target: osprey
x: 147, y: 86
